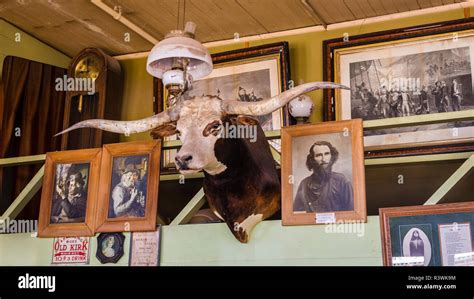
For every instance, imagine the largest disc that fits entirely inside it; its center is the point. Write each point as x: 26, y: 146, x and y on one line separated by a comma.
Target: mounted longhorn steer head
x: 241, y: 182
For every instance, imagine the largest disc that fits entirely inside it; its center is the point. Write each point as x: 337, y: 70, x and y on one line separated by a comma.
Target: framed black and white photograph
x: 416, y: 241
x: 251, y: 75
x: 424, y: 76
x: 110, y: 247
x: 323, y: 173
x: 128, y: 193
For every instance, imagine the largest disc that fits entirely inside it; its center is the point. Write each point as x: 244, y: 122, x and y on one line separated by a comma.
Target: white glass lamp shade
x: 301, y: 107
x: 161, y: 57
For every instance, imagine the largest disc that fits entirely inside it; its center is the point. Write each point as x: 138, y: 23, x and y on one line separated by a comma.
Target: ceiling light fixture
x: 178, y: 60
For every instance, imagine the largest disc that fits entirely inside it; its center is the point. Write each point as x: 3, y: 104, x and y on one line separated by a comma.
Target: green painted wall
x: 28, y: 47
x: 213, y: 244
x: 305, y: 59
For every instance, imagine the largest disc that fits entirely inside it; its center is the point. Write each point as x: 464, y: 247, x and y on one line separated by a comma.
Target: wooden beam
x: 418, y: 159
x: 449, y: 184
x: 160, y: 220
x: 273, y: 134
x: 190, y: 209
x: 276, y: 155
x: 16, y: 161
x: 312, y: 13
x: 170, y: 144
x: 25, y: 196
x: 419, y: 119
x: 117, y: 15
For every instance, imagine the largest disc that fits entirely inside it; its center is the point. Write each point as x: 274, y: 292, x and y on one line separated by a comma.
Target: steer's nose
x: 183, y: 161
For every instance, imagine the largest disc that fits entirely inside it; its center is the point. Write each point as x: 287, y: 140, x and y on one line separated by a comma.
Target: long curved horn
x: 269, y: 105
x: 127, y: 127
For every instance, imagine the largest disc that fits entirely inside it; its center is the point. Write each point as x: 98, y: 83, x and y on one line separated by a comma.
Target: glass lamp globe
x: 301, y: 108
x: 178, y: 59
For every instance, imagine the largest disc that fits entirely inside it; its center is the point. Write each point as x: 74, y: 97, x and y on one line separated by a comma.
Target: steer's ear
x: 246, y: 120
x: 165, y: 130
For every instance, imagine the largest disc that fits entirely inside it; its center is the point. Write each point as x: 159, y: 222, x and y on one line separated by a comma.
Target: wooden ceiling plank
x: 401, y: 5
x: 337, y: 10
x: 313, y: 13
x: 290, y: 14
x: 366, y: 8
x: 144, y: 14
x: 424, y: 3
x: 73, y: 19
x: 411, y: 4
x: 355, y: 9
x: 322, y: 11
x: 436, y: 3
x: 378, y: 7
x: 207, y: 28
x: 389, y: 6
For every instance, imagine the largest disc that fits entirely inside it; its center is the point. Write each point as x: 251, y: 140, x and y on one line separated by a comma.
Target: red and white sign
x: 71, y: 250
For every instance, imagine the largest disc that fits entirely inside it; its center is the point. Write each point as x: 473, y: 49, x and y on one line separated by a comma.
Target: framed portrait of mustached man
x: 249, y: 75
x: 128, y: 192
x: 323, y: 179
x: 69, y: 194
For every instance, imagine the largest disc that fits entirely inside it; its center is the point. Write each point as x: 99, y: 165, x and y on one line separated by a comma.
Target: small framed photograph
x: 440, y: 235
x: 145, y: 248
x: 323, y: 173
x: 68, y: 199
x: 110, y: 247
x: 128, y: 193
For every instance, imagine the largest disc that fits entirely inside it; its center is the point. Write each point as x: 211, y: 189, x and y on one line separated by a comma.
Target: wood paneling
x: 71, y: 26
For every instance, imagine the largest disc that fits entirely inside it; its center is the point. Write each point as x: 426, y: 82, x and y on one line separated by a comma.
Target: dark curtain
x: 31, y: 113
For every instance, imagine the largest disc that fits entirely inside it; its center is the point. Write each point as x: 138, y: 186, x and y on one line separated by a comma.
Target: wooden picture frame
x: 272, y: 57
x: 129, y: 170
x: 70, y: 185
x: 429, y: 221
x: 346, y: 57
x: 345, y: 160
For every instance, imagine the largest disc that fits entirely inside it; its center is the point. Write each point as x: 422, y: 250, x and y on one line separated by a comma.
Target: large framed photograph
x: 407, y: 75
x: 128, y: 193
x: 250, y: 74
x: 69, y: 194
x: 323, y: 173
x: 440, y: 235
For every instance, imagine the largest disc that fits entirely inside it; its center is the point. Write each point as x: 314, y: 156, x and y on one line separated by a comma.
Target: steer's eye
x: 212, y: 128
